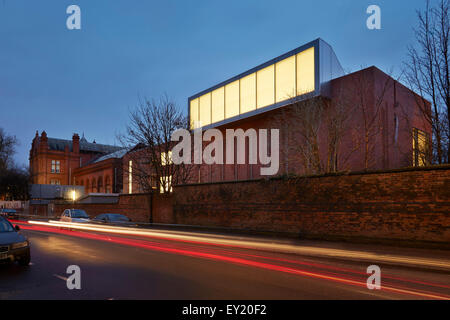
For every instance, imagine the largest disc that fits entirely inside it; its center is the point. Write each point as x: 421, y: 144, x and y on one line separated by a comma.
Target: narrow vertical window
x: 130, y: 176
x: 166, y: 158
x: 420, y: 148
x: 165, y: 185
x: 396, y: 128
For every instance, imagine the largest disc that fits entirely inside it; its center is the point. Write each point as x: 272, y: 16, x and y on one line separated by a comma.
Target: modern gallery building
x: 327, y: 120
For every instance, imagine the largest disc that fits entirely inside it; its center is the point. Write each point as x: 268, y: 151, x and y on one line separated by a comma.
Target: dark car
x: 8, y: 213
x: 113, y: 219
x: 13, y: 245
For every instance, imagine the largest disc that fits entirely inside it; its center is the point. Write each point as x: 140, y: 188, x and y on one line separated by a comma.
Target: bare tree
x: 148, y: 137
x: 14, y: 184
x: 312, y: 130
x: 337, y: 118
x: 427, y: 72
x: 7, y: 149
x: 368, y: 106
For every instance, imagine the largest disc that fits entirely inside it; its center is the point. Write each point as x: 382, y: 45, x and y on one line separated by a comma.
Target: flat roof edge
x: 314, y: 43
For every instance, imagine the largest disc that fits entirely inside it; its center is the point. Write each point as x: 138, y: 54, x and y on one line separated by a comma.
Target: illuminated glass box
x: 301, y: 73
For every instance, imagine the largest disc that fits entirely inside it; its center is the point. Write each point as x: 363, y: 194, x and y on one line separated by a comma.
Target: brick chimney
x: 43, y: 143
x: 76, y: 143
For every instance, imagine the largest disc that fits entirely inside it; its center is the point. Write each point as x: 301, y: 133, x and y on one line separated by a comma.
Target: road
x: 119, y: 266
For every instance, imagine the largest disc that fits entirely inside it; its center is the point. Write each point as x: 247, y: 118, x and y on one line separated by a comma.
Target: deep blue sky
x: 65, y: 81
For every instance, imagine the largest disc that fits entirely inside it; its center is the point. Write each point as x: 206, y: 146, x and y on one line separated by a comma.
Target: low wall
x: 405, y: 204
x: 135, y: 206
x: 409, y: 204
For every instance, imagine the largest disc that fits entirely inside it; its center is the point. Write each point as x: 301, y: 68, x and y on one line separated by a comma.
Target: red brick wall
x: 135, y: 206
x: 408, y: 205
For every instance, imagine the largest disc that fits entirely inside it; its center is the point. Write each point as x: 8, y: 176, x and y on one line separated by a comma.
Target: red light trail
x: 237, y: 258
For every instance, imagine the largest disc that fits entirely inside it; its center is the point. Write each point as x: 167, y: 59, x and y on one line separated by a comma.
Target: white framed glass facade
x: 304, y: 70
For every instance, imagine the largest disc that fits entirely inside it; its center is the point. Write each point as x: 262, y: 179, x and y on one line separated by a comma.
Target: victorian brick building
x: 95, y: 166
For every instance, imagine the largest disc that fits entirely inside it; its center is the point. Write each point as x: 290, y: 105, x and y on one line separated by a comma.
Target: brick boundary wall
x: 407, y: 204
x: 135, y: 206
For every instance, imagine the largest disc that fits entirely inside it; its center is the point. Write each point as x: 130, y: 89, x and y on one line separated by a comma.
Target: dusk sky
x: 66, y: 81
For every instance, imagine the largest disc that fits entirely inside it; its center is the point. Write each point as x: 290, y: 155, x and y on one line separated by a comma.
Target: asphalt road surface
x: 115, y: 266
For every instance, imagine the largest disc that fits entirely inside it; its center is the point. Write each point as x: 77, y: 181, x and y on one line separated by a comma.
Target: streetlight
x: 73, y: 196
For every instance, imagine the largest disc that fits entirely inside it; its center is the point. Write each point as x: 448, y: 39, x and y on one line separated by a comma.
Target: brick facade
x: 95, y: 166
x: 410, y: 204
x: 100, y: 177
x: 389, y: 133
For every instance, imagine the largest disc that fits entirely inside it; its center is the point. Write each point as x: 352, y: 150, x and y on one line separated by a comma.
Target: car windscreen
x: 5, y: 226
x: 79, y: 214
x: 118, y: 217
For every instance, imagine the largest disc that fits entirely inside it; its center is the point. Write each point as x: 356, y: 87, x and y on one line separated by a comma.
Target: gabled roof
x: 60, y: 144
x: 115, y: 155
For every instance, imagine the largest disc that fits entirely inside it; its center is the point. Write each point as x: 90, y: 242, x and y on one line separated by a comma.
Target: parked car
x: 9, y: 213
x: 113, y: 219
x: 13, y: 245
x: 74, y: 215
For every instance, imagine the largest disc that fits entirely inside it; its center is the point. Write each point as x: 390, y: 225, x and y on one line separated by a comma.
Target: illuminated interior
x: 285, y: 79
x: 420, y: 147
x: 166, y: 158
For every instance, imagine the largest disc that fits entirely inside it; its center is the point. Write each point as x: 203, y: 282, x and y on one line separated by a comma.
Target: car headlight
x: 19, y: 245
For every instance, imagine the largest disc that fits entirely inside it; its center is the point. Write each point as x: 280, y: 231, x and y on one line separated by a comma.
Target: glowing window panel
x: 194, y: 113
x: 248, y: 93
x: 266, y: 86
x: 165, y: 184
x: 205, y: 109
x: 305, y: 71
x: 285, y: 79
x: 232, y: 99
x: 420, y: 147
x: 130, y: 176
x: 166, y: 158
x: 218, y: 105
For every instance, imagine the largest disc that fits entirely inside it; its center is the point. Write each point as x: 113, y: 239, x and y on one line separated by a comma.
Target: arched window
x: 100, y: 184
